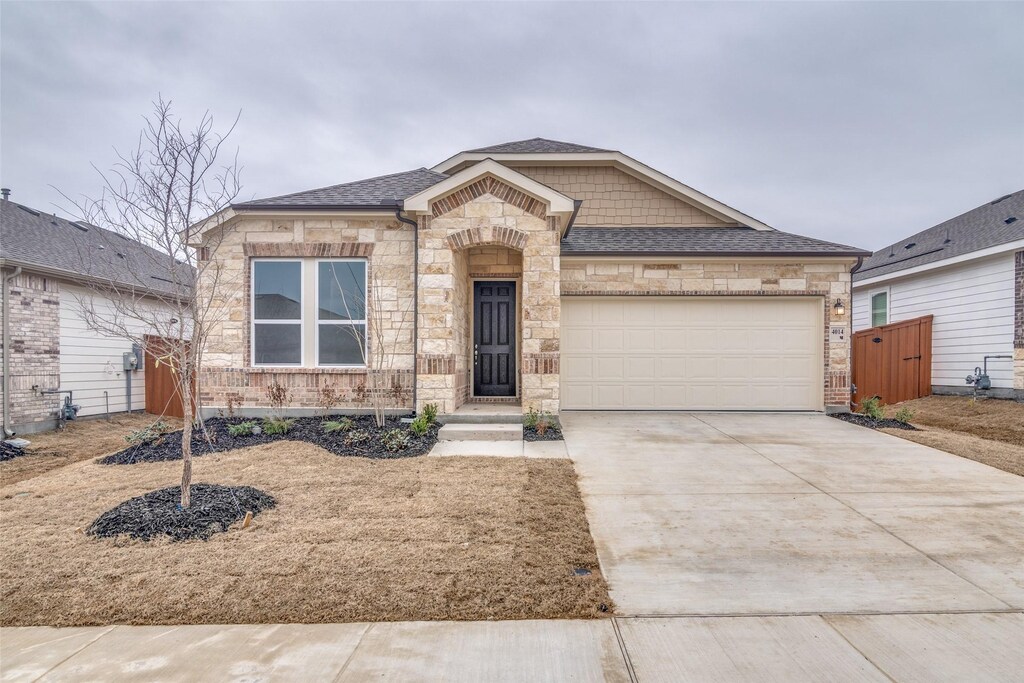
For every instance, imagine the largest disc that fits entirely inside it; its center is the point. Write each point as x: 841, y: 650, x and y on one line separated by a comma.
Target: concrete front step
x: 480, y: 432
x: 485, y: 413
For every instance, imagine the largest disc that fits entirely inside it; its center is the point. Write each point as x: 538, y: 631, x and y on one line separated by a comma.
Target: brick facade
x: 827, y: 281
x: 35, y: 351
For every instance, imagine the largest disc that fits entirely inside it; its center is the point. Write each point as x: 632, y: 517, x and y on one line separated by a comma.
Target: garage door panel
x: 692, y: 353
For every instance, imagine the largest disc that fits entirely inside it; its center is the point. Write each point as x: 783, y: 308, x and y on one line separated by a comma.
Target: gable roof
x: 697, y: 242
x: 379, y: 192
x: 980, y: 228
x: 33, y: 239
x: 536, y: 146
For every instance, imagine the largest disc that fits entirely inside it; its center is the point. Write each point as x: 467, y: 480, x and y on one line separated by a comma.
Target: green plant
x: 356, y: 436
x: 273, y: 426
x: 872, y: 407
x: 430, y: 413
x: 531, y: 418
x: 395, y: 439
x: 242, y: 428
x: 150, y: 433
x: 332, y: 426
x: 420, y: 425
x: 904, y: 415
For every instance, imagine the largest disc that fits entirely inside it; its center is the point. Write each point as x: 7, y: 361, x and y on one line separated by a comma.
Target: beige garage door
x: 692, y: 353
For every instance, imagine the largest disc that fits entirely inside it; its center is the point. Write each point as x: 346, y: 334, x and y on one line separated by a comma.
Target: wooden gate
x: 893, y: 362
x: 162, y: 395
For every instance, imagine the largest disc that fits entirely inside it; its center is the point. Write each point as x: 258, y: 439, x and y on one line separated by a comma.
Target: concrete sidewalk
x: 921, y: 647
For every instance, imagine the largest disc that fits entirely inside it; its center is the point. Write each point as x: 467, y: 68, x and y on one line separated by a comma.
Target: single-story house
x: 51, y: 269
x: 551, y: 275
x: 967, y: 272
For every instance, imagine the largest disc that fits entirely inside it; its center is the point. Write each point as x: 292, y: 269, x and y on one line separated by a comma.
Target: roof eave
x: 744, y: 254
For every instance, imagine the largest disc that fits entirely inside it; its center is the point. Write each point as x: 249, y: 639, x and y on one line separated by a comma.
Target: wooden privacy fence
x: 162, y: 395
x: 893, y: 362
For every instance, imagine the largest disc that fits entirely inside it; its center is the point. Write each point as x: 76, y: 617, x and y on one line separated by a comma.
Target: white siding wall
x: 973, y: 308
x: 91, y: 363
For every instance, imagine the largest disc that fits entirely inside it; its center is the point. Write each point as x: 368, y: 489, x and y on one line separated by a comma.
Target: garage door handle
x: 913, y: 358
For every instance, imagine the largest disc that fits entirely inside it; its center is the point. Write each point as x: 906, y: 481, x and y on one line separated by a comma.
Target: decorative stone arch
x: 487, y: 236
x: 492, y: 186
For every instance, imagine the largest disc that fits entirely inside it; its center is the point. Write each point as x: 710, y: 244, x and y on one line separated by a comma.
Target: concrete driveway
x: 787, y: 514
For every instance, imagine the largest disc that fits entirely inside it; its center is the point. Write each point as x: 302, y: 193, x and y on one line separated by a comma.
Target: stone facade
x: 613, y: 198
x: 35, y: 351
x: 228, y: 375
x: 827, y: 280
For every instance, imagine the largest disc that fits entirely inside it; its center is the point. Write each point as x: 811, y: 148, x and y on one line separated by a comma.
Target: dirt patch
x: 870, y: 422
x: 363, y: 439
x: 79, y: 440
x: 1003, y: 456
x: 350, y: 539
x: 992, y: 419
x: 212, y: 509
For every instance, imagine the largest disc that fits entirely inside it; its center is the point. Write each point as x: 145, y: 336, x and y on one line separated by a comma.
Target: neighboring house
x: 968, y: 273
x: 547, y: 274
x: 50, y: 268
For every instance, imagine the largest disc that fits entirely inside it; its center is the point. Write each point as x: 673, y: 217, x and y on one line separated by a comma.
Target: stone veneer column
x: 541, y: 302
x: 435, y: 345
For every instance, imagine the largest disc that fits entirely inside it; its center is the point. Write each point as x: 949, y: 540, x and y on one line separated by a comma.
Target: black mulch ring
x: 212, y: 509
x: 865, y: 421
x: 308, y: 429
x: 551, y: 434
x: 9, y: 452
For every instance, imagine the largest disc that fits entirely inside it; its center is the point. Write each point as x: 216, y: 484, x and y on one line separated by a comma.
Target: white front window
x: 309, y: 313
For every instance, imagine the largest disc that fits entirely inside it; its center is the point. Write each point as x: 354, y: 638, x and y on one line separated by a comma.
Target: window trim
x: 364, y: 321
x: 252, y: 314
x: 871, y: 305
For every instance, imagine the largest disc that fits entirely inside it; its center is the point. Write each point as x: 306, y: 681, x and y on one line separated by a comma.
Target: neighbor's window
x: 879, y: 309
x: 341, y: 313
x: 277, y: 312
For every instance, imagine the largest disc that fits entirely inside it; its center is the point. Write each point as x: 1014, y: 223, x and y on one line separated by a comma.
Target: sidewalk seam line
x: 630, y: 671
x: 857, y: 649
x: 348, y: 660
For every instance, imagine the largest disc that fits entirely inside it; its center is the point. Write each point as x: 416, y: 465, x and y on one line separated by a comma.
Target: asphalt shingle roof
x: 536, y: 146
x: 697, y: 242
x: 32, y: 238
x: 380, y: 191
x: 980, y: 228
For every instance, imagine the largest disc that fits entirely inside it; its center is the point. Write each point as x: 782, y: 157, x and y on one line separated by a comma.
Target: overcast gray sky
x: 859, y: 123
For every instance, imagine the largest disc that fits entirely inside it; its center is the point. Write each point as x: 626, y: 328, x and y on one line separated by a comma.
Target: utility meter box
x: 131, y: 361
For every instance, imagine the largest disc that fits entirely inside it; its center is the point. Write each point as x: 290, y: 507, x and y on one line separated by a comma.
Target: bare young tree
x: 377, y: 341
x: 157, y: 195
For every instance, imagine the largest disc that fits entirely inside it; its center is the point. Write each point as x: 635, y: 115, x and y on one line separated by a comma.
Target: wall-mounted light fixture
x: 838, y: 308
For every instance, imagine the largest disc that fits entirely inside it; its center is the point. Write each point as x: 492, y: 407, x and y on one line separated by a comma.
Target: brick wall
x: 614, y: 198
x: 35, y: 350
x: 828, y: 281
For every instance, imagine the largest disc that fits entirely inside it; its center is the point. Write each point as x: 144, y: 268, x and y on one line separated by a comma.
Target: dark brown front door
x: 494, y: 331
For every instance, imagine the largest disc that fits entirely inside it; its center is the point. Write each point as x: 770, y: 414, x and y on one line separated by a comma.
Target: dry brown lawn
x: 989, y: 430
x: 79, y: 440
x: 351, y: 539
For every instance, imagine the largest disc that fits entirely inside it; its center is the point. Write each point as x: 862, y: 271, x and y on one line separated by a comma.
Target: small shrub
x: 242, y: 428
x: 872, y: 407
x: 531, y: 418
x: 904, y: 415
x: 332, y: 426
x: 395, y: 439
x: 356, y: 436
x: 150, y: 433
x: 420, y: 425
x: 278, y: 396
x: 274, y: 426
x: 430, y: 413
x: 542, y: 426
x: 327, y: 398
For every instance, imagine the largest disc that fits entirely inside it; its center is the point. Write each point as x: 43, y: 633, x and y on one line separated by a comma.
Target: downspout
x: 415, y: 297
x: 7, y: 350
x: 856, y: 266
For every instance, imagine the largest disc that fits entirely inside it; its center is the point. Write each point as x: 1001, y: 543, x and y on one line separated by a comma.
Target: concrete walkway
x: 783, y: 514
x: 942, y: 647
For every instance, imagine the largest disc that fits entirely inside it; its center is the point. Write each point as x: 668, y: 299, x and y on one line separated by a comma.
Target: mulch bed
x: 872, y: 423
x: 9, y: 452
x: 551, y: 434
x: 212, y: 509
x: 308, y: 429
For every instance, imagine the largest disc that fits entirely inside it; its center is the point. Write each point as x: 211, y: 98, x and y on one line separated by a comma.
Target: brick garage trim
x: 485, y: 237
x: 435, y: 363
x: 492, y: 186
x: 541, y: 363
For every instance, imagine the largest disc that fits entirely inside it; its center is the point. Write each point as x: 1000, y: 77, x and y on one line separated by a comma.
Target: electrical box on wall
x: 131, y: 361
